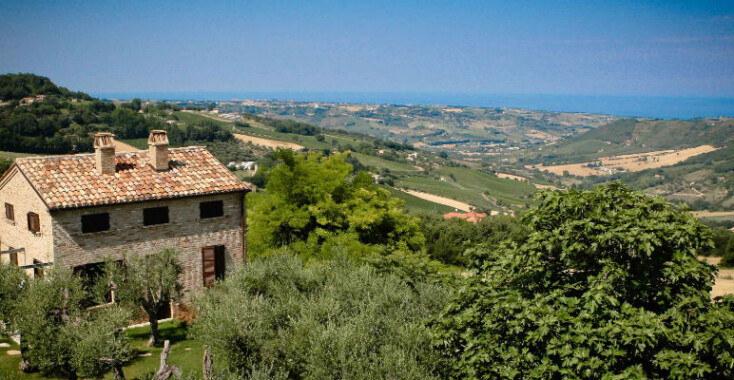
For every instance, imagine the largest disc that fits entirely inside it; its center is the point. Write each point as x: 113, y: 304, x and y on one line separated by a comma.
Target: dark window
x: 13, y: 257
x: 37, y: 272
x: 155, y: 215
x: 95, y: 222
x: 211, y: 209
x: 213, y: 264
x: 34, y: 224
x: 89, y: 275
x: 9, y: 211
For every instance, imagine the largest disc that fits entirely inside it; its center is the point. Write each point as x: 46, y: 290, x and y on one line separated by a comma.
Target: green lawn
x: 185, y: 354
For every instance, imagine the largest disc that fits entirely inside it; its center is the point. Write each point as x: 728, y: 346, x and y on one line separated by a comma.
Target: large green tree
x: 149, y: 282
x: 608, y: 285
x: 313, y: 202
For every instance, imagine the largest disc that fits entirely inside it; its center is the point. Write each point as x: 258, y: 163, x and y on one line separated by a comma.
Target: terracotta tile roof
x: 65, y: 182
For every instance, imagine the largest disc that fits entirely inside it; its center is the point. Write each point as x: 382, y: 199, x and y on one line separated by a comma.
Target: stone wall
x: 16, y: 190
x: 185, y: 232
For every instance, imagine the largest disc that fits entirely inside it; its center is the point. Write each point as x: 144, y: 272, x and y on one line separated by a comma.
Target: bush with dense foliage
x: 315, y: 206
x: 276, y: 318
x: 57, y: 335
x: 608, y: 285
x: 448, y: 239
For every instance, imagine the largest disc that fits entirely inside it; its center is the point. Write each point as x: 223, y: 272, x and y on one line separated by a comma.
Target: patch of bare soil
x: 440, y: 200
x: 629, y: 162
x: 268, y: 142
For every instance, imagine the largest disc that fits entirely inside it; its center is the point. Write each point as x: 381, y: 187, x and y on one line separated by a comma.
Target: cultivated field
x: 724, y: 280
x: 267, y: 142
x: 711, y: 214
x: 629, y: 162
x: 440, y: 200
x: 512, y: 176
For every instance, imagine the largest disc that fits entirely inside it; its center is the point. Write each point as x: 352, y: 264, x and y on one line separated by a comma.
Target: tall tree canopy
x: 313, y: 202
x: 606, y: 286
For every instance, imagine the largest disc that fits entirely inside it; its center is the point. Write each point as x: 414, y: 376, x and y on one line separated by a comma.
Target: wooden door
x: 212, y: 258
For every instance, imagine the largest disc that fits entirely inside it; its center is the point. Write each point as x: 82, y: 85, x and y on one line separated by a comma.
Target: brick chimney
x: 104, y: 152
x: 158, y: 149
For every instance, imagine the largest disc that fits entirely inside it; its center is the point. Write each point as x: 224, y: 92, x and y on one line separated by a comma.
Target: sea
x: 657, y: 107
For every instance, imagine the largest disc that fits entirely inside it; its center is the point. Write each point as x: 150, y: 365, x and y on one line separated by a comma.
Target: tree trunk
x: 153, y: 330
x: 116, y: 368
x: 24, y: 365
x: 207, y: 367
x: 166, y: 371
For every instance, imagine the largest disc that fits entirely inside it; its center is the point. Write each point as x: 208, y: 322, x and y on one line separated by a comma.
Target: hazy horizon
x: 630, y: 106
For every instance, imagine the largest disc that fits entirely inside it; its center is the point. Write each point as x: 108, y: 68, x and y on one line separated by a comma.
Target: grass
x: 468, y: 185
x: 185, y: 353
x: 418, y: 205
x: 14, y: 155
x: 377, y: 162
x: 141, y: 143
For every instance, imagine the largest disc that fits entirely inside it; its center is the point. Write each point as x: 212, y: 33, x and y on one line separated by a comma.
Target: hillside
x: 462, y: 132
x: 396, y: 165
x: 687, y: 161
x: 629, y: 136
x: 36, y: 116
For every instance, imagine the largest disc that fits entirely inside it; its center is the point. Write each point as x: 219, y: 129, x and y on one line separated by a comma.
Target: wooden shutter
x: 37, y: 272
x: 209, y: 262
x: 14, y: 257
x: 34, y: 224
x: 9, y: 211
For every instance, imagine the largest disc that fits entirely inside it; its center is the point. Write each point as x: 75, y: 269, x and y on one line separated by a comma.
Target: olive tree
x: 607, y: 285
x: 45, y: 306
x: 277, y: 318
x: 12, y: 281
x: 148, y: 282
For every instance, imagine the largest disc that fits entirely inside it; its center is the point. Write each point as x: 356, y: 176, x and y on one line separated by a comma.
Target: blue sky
x: 655, y: 48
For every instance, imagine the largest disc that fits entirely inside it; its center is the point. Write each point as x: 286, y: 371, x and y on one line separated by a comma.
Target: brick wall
x: 17, y: 191
x: 185, y: 232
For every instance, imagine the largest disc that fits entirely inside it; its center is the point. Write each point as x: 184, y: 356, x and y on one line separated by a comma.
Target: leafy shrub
x: 276, y: 318
x: 607, y: 285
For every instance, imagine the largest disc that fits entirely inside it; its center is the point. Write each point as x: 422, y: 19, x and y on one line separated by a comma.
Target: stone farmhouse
x: 79, y: 210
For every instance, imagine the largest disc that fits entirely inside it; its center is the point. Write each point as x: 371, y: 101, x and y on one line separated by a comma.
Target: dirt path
x: 438, y: 199
x: 267, y: 142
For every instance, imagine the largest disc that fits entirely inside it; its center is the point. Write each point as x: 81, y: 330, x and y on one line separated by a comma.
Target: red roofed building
x: 79, y: 210
x: 472, y: 217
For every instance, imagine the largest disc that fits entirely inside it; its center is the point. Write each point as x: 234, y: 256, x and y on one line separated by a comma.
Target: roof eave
x: 77, y: 207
